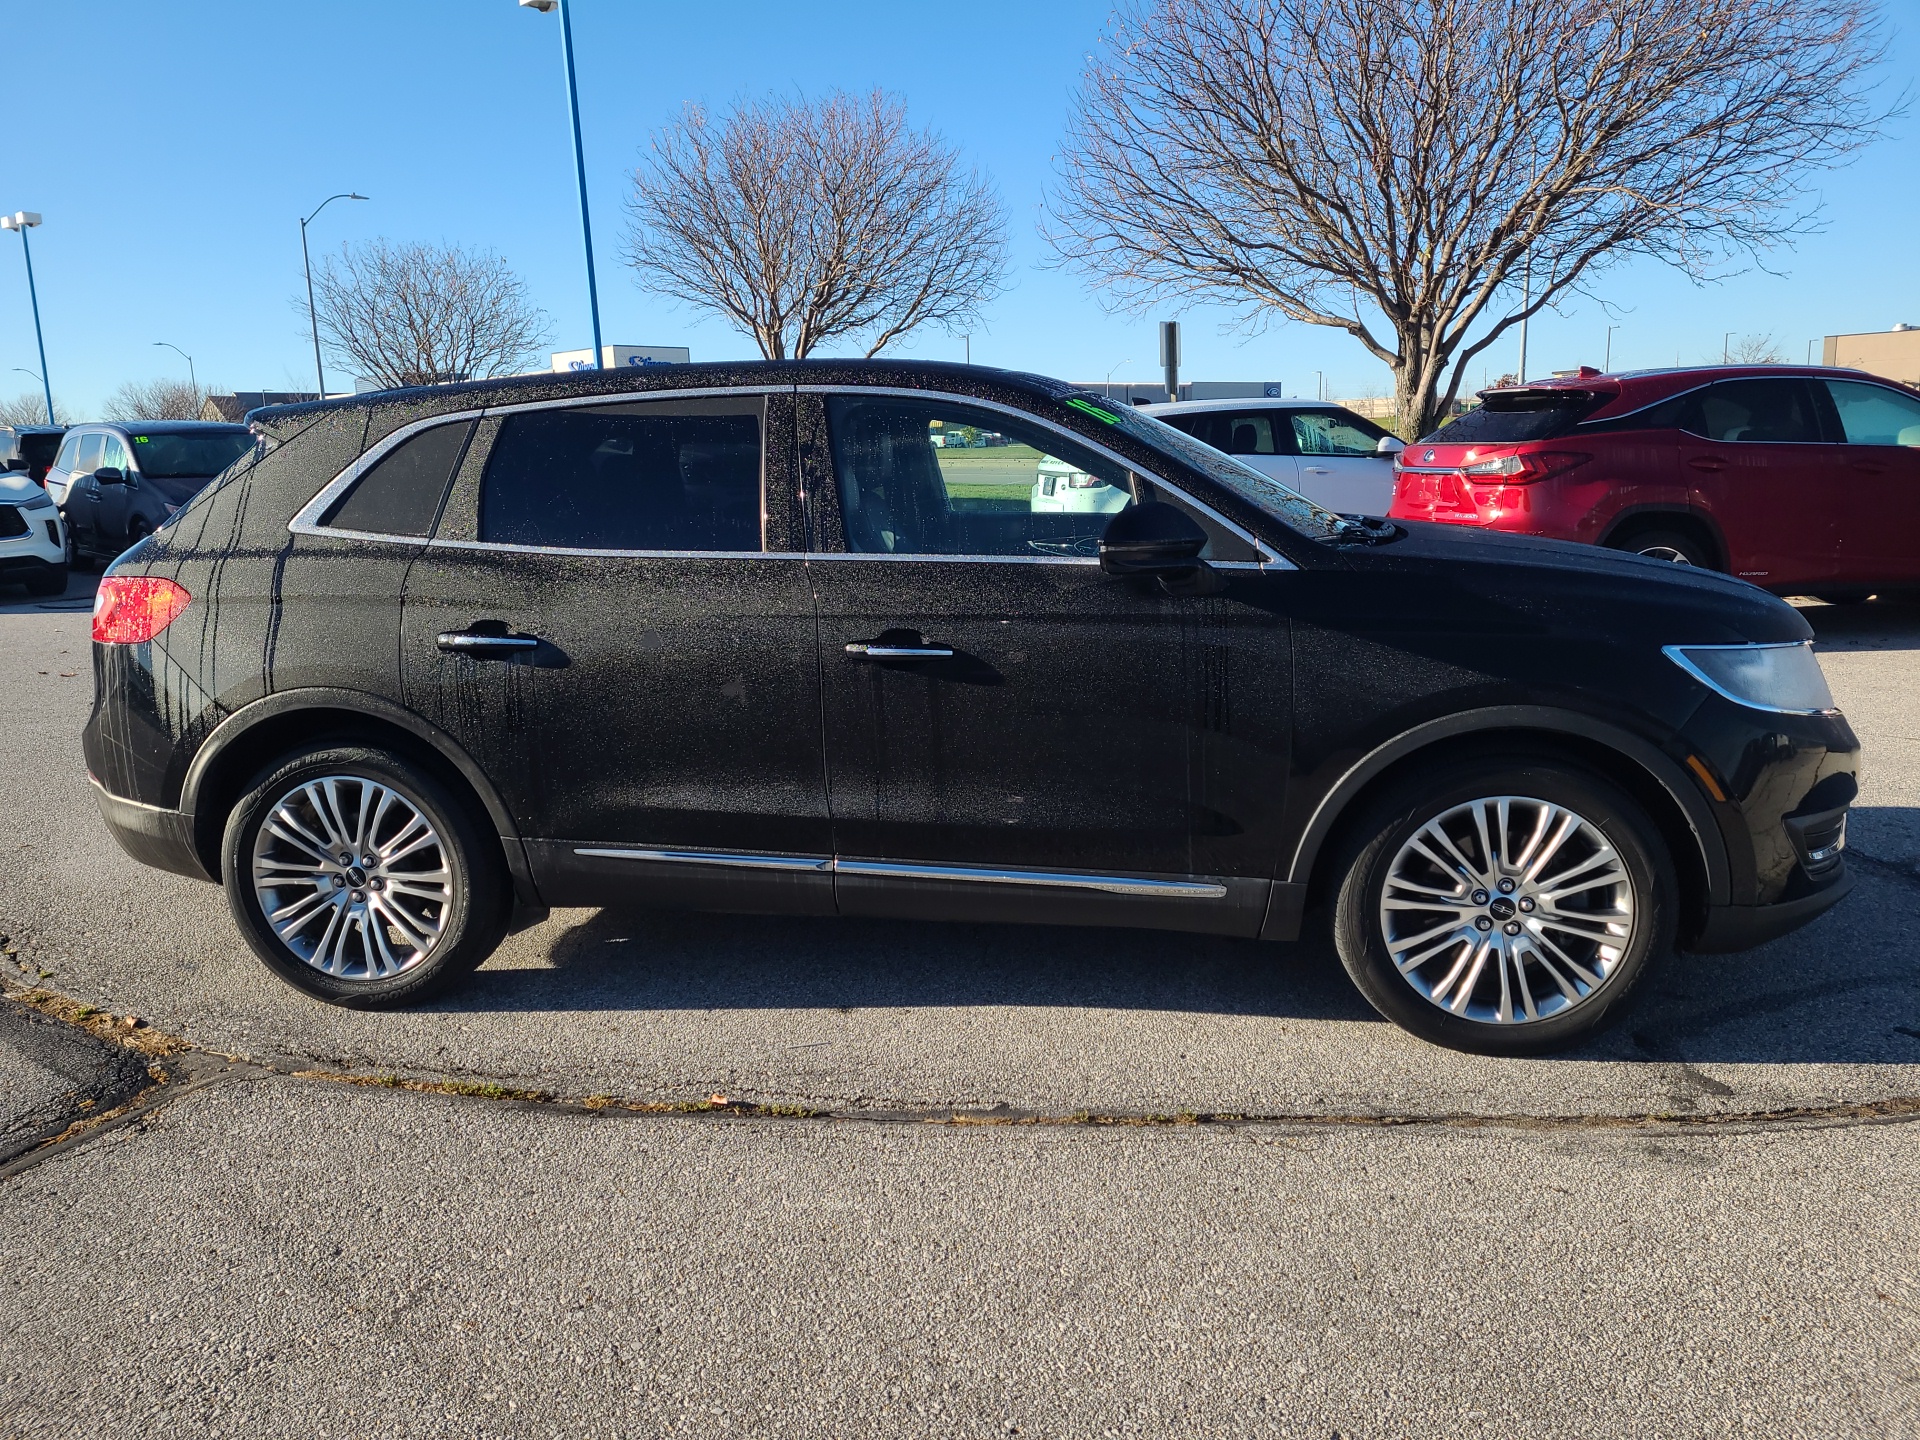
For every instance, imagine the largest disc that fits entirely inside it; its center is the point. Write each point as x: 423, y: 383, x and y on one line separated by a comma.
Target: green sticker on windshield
x: 139, y: 439
x: 1089, y: 408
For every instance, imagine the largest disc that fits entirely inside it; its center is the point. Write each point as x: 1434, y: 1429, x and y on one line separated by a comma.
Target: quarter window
x: 1756, y: 412
x: 682, y: 476
x: 68, y: 457
x: 401, y: 493
x: 1875, y: 415
x: 927, y: 478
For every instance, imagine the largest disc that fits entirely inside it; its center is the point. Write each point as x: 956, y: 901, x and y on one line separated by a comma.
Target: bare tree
x: 806, y: 222
x: 30, y: 408
x: 1425, y: 173
x: 156, y: 400
x: 402, y: 314
x: 1755, y: 350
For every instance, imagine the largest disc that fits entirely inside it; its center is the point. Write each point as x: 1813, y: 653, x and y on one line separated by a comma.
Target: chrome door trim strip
x: 507, y: 547
x: 1193, y: 889
x: 1270, y: 559
x: 711, y: 857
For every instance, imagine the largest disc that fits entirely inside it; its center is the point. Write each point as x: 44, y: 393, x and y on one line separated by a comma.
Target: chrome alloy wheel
x: 1668, y: 553
x: 353, y: 877
x: 1507, y: 910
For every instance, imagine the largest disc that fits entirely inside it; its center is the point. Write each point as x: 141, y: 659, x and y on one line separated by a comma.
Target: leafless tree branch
x: 805, y: 222
x: 156, y: 400
x: 30, y: 408
x: 1314, y: 160
x: 402, y: 314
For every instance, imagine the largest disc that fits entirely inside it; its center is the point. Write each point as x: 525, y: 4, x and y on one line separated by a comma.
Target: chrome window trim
x: 513, y: 548
x: 1269, y: 559
x: 307, y: 520
x: 1192, y: 888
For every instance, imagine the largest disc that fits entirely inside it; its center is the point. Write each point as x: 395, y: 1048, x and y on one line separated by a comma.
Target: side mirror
x: 110, y: 475
x: 14, y: 462
x: 1389, y: 446
x: 1153, y: 539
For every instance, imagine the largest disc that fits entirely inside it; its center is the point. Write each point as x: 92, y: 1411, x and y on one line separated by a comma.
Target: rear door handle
x: 864, y: 650
x: 495, y: 647
x: 1706, y: 462
x: 1317, y: 470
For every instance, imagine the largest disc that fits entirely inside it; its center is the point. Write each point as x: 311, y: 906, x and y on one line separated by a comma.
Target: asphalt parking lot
x: 1704, y: 1223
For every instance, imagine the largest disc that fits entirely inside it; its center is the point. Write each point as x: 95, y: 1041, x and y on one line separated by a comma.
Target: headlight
x: 38, y: 501
x: 1785, y: 678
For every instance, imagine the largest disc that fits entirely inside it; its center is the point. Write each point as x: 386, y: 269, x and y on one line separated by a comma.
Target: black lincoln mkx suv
x: 793, y: 638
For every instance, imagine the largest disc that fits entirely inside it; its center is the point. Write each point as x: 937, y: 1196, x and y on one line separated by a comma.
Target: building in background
x: 1891, y: 354
x: 619, y: 357
x: 1154, y: 392
x: 233, y: 408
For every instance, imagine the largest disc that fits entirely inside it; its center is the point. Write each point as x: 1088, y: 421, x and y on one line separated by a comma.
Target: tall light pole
x: 23, y: 221
x: 1606, y: 365
x: 1109, y: 385
x: 192, y: 379
x: 580, y: 163
x: 1726, y: 349
x: 313, y: 315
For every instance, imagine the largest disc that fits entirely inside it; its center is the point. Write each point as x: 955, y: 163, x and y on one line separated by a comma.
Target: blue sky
x: 173, y: 149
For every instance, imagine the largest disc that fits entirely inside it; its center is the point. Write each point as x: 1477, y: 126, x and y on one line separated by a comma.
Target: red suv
x: 1802, y: 480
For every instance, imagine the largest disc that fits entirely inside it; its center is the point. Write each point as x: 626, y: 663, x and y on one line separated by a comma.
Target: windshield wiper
x: 1361, y: 530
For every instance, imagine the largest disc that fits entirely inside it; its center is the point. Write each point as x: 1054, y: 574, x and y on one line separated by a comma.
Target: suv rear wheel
x: 359, y: 877
x: 1675, y: 546
x: 1504, y: 907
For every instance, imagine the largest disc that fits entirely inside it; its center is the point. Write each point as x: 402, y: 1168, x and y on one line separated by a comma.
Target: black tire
x: 1675, y: 546
x: 51, y: 581
x: 76, y: 559
x: 471, y: 919
x: 1361, y: 924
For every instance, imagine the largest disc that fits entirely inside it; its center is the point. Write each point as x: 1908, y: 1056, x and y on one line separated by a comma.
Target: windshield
x: 1511, y: 416
x: 182, y: 455
x: 1280, y: 501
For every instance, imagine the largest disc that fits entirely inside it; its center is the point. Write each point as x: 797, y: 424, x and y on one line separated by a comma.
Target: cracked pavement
x: 1614, y: 1241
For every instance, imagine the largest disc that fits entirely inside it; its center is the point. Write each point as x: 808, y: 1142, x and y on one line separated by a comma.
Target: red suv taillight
x: 132, y: 609
x: 1524, y: 467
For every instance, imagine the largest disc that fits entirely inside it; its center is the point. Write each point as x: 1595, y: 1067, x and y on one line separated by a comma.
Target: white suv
x: 1329, y: 454
x: 1060, y: 489
x: 33, y: 541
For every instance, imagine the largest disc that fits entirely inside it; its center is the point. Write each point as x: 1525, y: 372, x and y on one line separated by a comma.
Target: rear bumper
x: 156, y: 837
x: 1741, y: 927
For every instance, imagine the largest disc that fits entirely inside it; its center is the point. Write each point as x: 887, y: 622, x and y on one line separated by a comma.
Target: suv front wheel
x: 359, y: 877
x: 1504, y: 907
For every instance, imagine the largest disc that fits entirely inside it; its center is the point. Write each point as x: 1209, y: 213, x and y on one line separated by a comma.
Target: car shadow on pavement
x: 1870, y: 625
x: 675, y: 960
x: 78, y: 596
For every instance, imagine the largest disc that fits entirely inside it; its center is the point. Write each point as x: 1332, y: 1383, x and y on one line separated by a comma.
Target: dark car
x: 30, y: 448
x: 119, y: 482
x: 743, y: 638
x: 1805, y: 480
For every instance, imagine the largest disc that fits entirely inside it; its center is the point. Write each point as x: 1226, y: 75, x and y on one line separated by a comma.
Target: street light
x: 1109, y: 384
x: 1606, y: 365
x: 1726, y: 349
x: 23, y: 221
x: 313, y: 317
x: 580, y: 162
x: 192, y: 379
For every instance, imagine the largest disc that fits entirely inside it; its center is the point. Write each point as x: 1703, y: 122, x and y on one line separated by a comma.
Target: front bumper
x: 1741, y: 927
x: 151, y: 835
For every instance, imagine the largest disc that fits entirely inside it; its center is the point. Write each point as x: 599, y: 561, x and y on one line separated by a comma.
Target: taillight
x: 1526, y: 467
x: 132, y: 609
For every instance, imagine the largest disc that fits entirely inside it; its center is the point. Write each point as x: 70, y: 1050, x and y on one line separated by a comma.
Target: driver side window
x: 928, y: 478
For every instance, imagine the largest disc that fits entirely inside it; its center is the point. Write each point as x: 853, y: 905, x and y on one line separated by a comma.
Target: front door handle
x: 1317, y: 470
x: 873, y: 650
x: 1706, y: 462
x: 485, y: 647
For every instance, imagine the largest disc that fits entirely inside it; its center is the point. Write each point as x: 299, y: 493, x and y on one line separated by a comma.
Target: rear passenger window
x: 90, y: 452
x: 1757, y: 412
x: 677, y: 476
x: 401, y: 494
